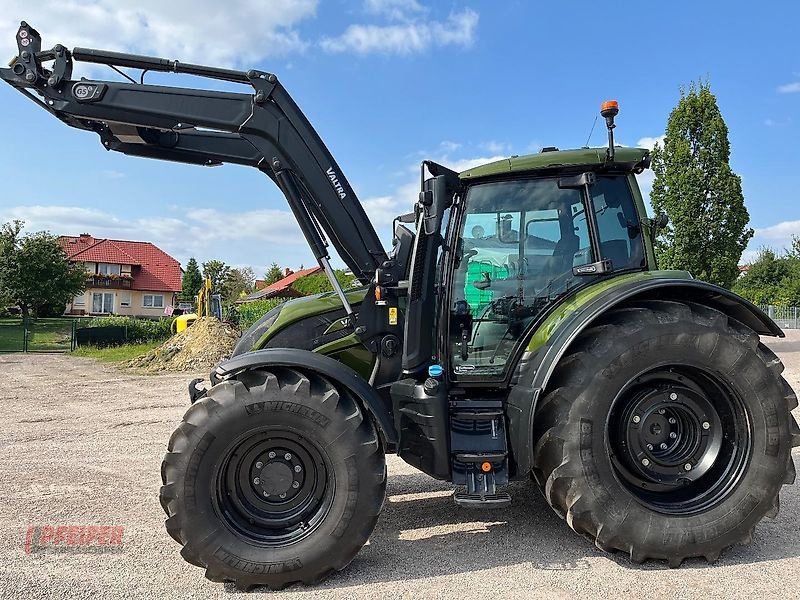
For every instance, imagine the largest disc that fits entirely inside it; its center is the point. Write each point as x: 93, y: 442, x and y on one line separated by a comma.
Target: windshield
x: 519, y: 242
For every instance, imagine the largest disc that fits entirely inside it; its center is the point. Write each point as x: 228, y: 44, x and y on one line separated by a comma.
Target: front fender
x: 543, y: 353
x: 326, y: 366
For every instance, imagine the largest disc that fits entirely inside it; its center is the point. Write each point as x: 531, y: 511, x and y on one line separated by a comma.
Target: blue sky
x: 390, y: 82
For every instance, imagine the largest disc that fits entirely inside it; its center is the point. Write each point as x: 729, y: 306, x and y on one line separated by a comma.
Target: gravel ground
x: 82, y: 443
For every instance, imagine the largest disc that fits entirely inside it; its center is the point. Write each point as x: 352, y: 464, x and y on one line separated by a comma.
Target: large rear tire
x: 275, y: 477
x: 666, y: 433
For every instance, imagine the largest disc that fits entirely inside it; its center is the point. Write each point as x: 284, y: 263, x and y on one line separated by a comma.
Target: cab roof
x: 625, y: 158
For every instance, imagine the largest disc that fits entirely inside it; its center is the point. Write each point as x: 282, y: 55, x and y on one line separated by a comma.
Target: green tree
x: 772, y: 278
x: 35, y: 273
x: 273, y: 274
x: 702, y: 196
x: 9, y: 232
x: 237, y: 283
x: 217, y: 271
x: 192, y: 280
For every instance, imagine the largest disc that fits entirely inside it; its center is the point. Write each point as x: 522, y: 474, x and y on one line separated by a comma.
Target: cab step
x: 485, y: 501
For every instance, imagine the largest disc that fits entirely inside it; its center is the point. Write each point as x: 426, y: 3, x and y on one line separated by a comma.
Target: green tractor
x: 517, y: 328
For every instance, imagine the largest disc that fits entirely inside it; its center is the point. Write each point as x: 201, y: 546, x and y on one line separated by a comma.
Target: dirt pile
x: 198, y: 348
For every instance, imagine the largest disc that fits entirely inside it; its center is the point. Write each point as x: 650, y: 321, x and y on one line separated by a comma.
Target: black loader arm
x: 263, y: 129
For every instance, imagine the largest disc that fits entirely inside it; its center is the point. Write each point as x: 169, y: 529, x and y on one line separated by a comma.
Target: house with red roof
x: 281, y: 288
x: 123, y: 277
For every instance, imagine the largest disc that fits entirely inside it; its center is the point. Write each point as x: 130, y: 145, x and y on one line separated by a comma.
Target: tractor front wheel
x: 275, y: 477
x: 666, y: 432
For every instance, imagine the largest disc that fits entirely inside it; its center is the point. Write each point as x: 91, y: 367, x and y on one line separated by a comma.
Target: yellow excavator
x: 209, y: 304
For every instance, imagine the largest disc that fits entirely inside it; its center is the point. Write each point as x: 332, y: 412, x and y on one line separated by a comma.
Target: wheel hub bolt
x: 661, y: 411
x: 259, y: 464
x: 287, y: 456
x: 266, y: 494
x: 649, y: 446
x: 663, y: 446
x: 636, y: 418
x: 297, y: 468
x: 673, y: 396
x: 295, y: 484
x: 706, y: 425
x: 645, y: 462
x: 687, y: 466
x: 271, y: 455
x: 282, y: 496
x: 256, y: 481
x: 673, y: 435
x: 672, y: 421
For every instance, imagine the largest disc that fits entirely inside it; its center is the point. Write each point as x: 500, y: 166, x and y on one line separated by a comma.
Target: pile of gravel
x: 199, y: 347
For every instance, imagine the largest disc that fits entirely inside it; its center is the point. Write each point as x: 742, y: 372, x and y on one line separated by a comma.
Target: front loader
x: 518, y: 328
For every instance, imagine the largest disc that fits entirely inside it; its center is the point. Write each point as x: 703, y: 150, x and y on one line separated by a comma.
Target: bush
x: 140, y: 331
x: 318, y: 283
x: 250, y: 312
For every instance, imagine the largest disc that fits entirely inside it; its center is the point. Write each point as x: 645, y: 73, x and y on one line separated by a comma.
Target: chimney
x: 85, y: 236
x: 287, y: 271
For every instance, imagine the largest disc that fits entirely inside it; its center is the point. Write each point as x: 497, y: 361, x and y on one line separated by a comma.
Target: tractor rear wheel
x: 666, y: 432
x: 275, y: 477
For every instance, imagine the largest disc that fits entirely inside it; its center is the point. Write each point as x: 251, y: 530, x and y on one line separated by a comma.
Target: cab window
x: 519, y: 241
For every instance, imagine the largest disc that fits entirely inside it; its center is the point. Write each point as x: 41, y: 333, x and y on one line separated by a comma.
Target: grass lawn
x: 115, y: 354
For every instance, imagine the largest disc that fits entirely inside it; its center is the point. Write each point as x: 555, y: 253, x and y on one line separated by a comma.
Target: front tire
x: 275, y: 477
x: 666, y: 433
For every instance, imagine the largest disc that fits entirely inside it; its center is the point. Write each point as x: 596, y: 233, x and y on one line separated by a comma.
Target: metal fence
x: 37, y: 335
x: 785, y: 316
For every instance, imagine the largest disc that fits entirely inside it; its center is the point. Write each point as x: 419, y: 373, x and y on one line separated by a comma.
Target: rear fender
x: 336, y: 372
x: 537, y: 364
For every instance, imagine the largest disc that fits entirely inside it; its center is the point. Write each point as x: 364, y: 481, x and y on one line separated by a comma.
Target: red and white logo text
x: 78, y: 538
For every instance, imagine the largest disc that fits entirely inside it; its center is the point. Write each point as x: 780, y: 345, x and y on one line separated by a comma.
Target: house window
x: 102, y: 302
x: 153, y: 301
x: 79, y: 300
x: 90, y: 267
x: 125, y: 300
x: 107, y: 269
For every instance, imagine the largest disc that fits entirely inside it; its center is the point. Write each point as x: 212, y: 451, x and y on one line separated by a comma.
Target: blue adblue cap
x: 435, y: 371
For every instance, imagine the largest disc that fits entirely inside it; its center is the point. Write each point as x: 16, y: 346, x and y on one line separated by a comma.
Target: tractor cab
x: 522, y: 244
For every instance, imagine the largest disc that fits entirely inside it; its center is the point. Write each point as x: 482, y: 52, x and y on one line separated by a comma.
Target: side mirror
x: 434, y: 200
x: 657, y: 223
x: 483, y: 283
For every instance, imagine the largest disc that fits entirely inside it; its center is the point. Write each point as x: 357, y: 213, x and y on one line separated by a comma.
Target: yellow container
x: 181, y: 322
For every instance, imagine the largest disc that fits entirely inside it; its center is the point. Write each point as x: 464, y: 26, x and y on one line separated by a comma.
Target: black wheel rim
x: 274, y: 487
x: 679, y: 439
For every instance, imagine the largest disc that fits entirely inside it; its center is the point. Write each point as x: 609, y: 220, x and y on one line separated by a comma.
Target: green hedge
x: 250, y: 312
x: 140, y: 331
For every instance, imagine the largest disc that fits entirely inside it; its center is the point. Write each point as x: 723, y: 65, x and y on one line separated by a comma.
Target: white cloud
x: 201, y: 232
x: 412, y: 37
x: 396, y: 10
x: 780, y: 231
x: 777, y: 236
x: 204, y: 31
x: 645, y: 180
x: 495, y: 147
x: 383, y: 209
x: 777, y: 122
x: 789, y: 88
x: 448, y: 146
x: 650, y: 142
x: 463, y: 164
